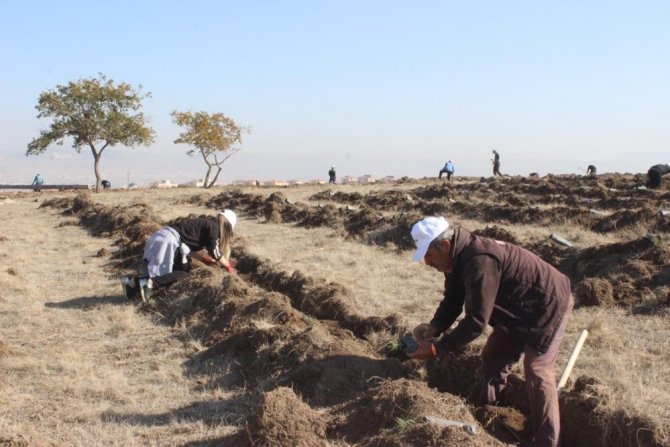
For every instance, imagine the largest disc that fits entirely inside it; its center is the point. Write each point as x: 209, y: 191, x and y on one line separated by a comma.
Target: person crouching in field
x: 168, y: 252
x: 526, y: 300
x: 655, y: 173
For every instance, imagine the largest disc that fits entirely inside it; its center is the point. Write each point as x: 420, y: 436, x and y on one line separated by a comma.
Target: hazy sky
x: 372, y: 87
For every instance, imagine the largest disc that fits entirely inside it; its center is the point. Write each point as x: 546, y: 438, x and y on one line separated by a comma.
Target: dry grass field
x: 295, y: 349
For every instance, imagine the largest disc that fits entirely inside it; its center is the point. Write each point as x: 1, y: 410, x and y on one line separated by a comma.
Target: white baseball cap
x: 424, y: 232
x: 230, y: 217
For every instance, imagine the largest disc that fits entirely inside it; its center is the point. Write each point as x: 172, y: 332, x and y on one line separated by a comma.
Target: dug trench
x: 638, y: 272
x: 309, y: 371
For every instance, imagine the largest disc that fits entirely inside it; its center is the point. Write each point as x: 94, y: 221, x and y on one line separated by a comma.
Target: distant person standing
x: 591, y: 171
x: 38, y: 181
x: 655, y: 173
x: 496, y: 163
x: 106, y: 184
x: 331, y: 175
x: 448, y: 169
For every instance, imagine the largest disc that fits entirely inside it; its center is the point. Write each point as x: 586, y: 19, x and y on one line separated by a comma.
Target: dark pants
x: 449, y: 174
x: 332, y: 180
x: 179, y: 270
x: 654, y: 178
x: 499, y: 356
x: 496, y: 168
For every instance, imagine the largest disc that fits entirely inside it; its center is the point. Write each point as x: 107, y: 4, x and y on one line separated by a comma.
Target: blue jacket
x: 449, y: 167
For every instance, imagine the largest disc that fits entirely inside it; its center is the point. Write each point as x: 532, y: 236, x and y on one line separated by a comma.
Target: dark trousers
x: 496, y: 168
x: 449, y: 174
x: 179, y: 270
x: 332, y: 180
x: 499, y: 356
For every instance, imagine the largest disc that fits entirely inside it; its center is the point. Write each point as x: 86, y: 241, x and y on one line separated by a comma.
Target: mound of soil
x: 282, y: 419
x: 635, y: 270
x: 497, y: 233
x: 588, y: 418
x: 595, y: 292
x: 396, y: 411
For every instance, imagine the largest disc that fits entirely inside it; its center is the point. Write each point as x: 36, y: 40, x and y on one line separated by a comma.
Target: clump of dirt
x: 497, y: 233
x: 59, y: 203
x: 396, y: 411
x: 595, y: 292
x: 634, y: 269
x: 395, y: 230
x: 282, y: 419
x: 507, y: 423
x: 101, y: 253
x: 197, y: 199
x: 457, y: 372
x: 363, y: 221
x: 589, y: 417
x: 3, y: 239
x: 12, y: 271
x: 328, y: 195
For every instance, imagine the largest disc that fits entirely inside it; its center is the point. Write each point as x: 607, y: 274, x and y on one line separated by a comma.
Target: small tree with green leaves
x: 213, y: 136
x: 93, y: 112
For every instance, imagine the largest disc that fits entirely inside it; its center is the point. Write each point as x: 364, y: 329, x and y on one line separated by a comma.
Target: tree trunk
x: 209, y: 170
x: 216, y: 176
x: 96, y: 166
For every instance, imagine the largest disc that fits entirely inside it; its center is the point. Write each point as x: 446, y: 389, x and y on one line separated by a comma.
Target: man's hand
x: 425, y: 331
x: 426, y: 350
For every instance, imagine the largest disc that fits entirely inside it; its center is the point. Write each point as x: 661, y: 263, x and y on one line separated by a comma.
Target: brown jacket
x: 505, y: 286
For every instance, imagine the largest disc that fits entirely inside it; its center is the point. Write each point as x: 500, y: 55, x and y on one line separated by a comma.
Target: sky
x: 370, y: 87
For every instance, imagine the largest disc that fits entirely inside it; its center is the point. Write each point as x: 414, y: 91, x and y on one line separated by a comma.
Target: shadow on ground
x: 87, y: 302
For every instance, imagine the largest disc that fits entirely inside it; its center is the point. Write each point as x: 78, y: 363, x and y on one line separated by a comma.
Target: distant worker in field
x: 106, y: 184
x: 591, y: 171
x: 38, y: 181
x: 448, y: 169
x: 496, y: 163
x: 655, y: 173
x: 526, y: 301
x: 331, y: 175
x: 168, y: 252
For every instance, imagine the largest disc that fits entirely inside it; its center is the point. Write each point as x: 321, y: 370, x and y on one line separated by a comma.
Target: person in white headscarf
x: 168, y: 252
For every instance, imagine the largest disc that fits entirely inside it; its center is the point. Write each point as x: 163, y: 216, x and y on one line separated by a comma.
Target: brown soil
x: 584, y: 422
x: 283, y: 419
x: 595, y: 292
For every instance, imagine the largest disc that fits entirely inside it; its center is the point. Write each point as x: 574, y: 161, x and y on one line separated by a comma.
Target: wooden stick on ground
x: 572, y: 359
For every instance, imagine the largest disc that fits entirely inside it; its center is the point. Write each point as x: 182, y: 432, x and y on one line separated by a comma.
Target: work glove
x: 427, y: 350
x: 231, y: 269
x: 425, y: 331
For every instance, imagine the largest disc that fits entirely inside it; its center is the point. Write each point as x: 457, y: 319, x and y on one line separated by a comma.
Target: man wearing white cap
x: 526, y: 300
x: 168, y: 251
